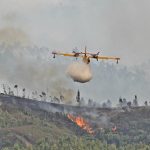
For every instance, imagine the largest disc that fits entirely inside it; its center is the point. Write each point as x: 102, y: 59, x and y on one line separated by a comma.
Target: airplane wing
x: 67, y: 54
x: 106, y: 58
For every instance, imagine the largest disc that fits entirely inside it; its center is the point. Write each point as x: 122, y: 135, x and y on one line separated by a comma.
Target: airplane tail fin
x: 85, y: 51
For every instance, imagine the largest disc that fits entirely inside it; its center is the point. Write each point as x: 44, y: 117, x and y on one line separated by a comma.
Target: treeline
x: 24, y: 93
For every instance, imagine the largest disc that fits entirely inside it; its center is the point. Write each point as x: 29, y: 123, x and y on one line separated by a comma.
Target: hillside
x: 30, y: 124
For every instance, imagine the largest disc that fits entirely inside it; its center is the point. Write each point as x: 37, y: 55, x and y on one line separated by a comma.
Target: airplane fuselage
x: 86, y: 59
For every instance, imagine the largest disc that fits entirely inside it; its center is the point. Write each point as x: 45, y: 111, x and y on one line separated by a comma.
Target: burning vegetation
x: 82, y: 123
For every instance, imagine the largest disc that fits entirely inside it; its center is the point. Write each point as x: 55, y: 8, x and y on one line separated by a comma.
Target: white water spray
x: 80, y: 72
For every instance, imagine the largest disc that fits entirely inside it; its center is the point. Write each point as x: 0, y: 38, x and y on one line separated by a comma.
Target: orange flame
x: 81, y: 122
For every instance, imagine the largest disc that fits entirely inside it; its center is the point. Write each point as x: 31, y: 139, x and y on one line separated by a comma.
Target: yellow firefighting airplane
x: 86, y: 56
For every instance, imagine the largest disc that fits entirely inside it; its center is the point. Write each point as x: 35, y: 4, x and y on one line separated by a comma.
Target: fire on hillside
x: 81, y: 122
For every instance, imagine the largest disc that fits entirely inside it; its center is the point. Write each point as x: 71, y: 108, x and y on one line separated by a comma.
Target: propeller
x: 75, y: 50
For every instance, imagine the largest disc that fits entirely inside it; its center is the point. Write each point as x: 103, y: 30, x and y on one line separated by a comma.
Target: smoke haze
x: 11, y: 35
x: 33, y: 68
x: 119, y: 28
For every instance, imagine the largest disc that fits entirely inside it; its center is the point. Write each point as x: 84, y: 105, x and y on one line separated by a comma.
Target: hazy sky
x: 117, y: 27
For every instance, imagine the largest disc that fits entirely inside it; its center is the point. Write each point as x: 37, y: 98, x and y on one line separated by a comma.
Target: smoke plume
x: 10, y: 35
x: 80, y: 72
x: 32, y: 68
